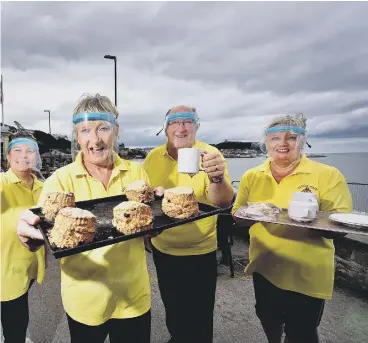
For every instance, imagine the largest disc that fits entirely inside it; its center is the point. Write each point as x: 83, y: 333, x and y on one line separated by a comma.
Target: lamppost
x: 49, y: 120
x: 110, y: 57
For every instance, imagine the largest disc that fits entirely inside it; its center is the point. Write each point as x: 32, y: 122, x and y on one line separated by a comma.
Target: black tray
x: 106, y: 233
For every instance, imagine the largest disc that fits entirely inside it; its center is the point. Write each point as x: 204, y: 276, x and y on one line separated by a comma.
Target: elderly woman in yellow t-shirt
x: 105, y: 291
x: 20, y: 190
x: 293, y: 269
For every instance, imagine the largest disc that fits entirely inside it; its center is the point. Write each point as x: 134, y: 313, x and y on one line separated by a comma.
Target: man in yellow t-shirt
x: 105, y: 291
x: 19, y: 190
x: 292, y: 268
x: 185, y: 256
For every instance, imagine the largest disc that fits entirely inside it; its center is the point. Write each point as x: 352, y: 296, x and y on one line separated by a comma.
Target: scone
x: 55, y: 201
x: 180, y: 202
x: 72, y: 226
x: 131, y: 217
x: 139, y: 191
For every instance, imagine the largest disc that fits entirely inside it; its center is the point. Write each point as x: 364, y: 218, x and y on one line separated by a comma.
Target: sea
x: 354, y: 166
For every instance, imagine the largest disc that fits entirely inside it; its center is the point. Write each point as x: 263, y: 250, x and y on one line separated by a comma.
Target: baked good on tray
x: 180, y: 202
x: 131, y: 217
x: 259, y: 210
x: 72, y: 226
x: 55, y: 201
x: 139, y: 191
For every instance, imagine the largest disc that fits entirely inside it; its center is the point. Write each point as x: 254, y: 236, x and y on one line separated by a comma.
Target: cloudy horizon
x: 238, y: 63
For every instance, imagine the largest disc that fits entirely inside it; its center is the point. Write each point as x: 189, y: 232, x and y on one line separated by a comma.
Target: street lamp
x: 49, y: 120
x: 110, y: 57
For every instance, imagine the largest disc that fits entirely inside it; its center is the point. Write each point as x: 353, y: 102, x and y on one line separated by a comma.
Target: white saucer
x: 350, y: 219
x: 301, y: 219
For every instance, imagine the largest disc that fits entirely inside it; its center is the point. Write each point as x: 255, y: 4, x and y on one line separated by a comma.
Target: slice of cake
x: 55, y: 201
x: 139, y: 191
x: 180, y: 202
x: 131, y: 217
x: 72, y: 227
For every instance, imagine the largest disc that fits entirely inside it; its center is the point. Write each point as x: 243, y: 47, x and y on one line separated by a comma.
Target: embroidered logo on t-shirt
x: 307, y: 188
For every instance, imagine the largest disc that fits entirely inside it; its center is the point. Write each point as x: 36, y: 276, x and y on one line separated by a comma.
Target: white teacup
x: 307, y: 197
x: 189, y: 160
x: 302, y: 211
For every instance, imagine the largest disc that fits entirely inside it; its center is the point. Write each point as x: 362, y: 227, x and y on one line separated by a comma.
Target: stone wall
x: 351, y: 261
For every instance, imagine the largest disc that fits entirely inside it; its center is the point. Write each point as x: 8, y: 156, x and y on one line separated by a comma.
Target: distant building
x: 5, y: 133
x: 56, y: 158
x: 57, y: 136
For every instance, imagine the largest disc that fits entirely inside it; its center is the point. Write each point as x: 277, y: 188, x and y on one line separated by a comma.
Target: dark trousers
x: 137, y: 330
x: 188, y: 286
x: 14, y: 319
x: 276, y: 308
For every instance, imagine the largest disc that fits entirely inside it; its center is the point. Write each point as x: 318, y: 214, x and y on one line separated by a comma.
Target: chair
x: 225, y: 239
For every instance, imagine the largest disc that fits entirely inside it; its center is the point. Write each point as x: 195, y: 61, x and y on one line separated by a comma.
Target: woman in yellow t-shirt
x: 292, y: 268
x: 105, y: 291
x: 185, y: 256
x: 20, y: 190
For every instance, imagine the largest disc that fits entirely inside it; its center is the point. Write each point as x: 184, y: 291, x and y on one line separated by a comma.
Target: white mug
x: 188, y: 160
x: 302, y: 210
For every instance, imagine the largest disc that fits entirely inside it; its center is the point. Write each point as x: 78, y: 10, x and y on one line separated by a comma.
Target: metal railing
x: 359, y: 193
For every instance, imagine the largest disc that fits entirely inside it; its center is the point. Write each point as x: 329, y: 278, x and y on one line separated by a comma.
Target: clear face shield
x: 181, y: 129
x: 23, y: 155
x: 174, y: 120
x: 95, y: 134
x: 284, y: 143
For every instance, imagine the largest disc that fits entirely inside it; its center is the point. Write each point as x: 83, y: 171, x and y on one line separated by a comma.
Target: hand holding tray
x: 106, y: 234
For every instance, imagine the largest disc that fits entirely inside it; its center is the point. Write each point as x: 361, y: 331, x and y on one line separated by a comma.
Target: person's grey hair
x: 95, y: 103
x: 288, y: 120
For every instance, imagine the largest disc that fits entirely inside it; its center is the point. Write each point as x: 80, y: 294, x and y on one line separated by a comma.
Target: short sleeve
x: 242, y: 194
x: 335, y: 194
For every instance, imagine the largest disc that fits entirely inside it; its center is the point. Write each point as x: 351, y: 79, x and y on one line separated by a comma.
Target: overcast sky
x: 238, y: 63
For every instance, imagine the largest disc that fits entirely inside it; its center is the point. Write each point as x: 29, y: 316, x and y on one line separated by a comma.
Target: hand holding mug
x: 213, y: 165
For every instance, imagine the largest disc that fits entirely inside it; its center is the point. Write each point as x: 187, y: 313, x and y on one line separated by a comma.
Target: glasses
x: 175, y: 124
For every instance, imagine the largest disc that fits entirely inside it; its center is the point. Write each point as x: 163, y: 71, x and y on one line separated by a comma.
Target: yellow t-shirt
x: 294, y: 258
x: 108, y: 282
x: 18, y: 265
x: 194, y: 238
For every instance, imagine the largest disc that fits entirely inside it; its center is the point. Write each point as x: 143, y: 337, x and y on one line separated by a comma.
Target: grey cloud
x: 345, y: 133
x: 232, y: 60
x: 354, y: 105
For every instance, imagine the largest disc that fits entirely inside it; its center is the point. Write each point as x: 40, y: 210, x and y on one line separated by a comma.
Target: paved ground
x: 345, y: 319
